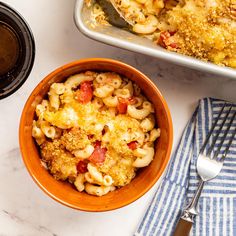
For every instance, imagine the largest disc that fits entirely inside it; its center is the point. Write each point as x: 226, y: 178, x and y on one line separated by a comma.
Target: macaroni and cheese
x: 205, y: 29
x: 95, y: 130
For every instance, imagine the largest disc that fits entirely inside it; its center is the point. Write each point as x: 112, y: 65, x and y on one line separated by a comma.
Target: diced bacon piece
x: 99, y: 154
x: 133, y: 145
x: 124, y: 102
x: 85, y: 92
x: 166, y: 40
x: 82, y: 167
x: 122, y: 105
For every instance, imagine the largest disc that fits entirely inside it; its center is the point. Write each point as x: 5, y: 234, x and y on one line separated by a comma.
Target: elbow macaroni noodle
x: 144, y: 157
x: 97, y: 145
x: 79, y: 182
x: 148, y: 27
x: 85, y: 153
x: 138, y: 113
x: 111, y: 101
x: 148, y: 124
x: 98, y: 190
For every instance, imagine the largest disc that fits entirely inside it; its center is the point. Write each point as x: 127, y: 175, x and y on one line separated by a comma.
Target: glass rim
x: 21, y: 72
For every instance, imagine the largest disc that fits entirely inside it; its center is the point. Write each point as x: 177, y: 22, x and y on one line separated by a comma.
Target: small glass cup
x: 17, y: 74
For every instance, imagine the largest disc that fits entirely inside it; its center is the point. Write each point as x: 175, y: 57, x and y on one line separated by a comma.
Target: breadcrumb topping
x: 206, y: 30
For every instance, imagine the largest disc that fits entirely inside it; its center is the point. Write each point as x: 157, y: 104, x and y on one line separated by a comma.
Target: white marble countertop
x: 24, y: 208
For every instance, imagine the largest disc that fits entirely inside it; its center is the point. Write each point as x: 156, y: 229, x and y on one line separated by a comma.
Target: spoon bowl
x: 115, y: 16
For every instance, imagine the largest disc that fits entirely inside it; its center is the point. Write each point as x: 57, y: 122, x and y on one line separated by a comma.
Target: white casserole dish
x: 124, y: 39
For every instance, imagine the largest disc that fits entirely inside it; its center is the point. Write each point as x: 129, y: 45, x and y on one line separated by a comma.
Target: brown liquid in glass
x: 9, y: 49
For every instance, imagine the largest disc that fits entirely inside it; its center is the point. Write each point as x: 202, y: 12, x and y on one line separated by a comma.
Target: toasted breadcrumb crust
x: 60, y: 162
x: 74, y: 139
x: 206, y: 30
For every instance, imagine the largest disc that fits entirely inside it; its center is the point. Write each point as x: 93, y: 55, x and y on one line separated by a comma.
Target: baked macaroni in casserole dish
x: 204, y: 29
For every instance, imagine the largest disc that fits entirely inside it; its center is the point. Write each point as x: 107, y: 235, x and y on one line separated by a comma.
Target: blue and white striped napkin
x: 217, y: 204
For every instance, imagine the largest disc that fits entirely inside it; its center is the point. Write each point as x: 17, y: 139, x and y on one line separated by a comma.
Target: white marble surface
x: 24, y: 208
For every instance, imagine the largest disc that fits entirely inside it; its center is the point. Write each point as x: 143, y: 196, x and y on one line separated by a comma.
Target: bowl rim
x: 70, y: 65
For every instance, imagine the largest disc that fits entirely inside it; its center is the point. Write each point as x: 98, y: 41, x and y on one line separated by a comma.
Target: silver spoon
x: 115, y: 16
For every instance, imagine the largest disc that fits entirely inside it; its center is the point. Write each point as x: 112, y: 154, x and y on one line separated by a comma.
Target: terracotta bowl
x: 64, y: 192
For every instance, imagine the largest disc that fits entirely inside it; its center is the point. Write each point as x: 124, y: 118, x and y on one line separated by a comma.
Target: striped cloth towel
x: 217, y: 204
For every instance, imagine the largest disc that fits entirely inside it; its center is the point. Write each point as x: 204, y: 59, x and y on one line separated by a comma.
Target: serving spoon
x: 115, y: 15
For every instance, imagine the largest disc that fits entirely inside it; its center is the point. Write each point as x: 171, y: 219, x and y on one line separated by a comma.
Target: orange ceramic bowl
x: 64, y: 192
